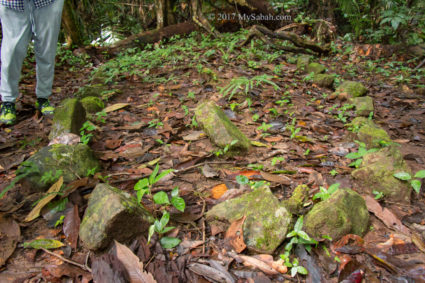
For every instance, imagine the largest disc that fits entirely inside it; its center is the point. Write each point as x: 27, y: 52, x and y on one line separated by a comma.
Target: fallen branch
x: 82, y: 266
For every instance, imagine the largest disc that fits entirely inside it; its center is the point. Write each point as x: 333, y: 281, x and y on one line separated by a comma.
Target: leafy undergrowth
x: 299, y: 137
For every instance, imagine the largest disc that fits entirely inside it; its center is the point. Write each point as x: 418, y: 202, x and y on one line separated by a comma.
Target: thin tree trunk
x: 74, y: 29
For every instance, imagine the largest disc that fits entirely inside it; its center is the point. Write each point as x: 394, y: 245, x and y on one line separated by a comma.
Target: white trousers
x: 18, y: 28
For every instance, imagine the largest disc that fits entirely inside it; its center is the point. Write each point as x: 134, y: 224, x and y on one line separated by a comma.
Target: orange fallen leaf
x: 234, y: 235
x: 218, y: 191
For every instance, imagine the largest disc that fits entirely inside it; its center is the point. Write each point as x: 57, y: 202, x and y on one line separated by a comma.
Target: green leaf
x: 242, y: 180
x: 353, y: 155
x: 153, y: 174
x: 141, y: 184
x: 304, y: 235
x: 294, y: 271
x: 416, y: 185
x: 178, y: 203
x: 164, y: 220
x: 151, y: 232
x: 161, y: 198
x: 43, y: 243
x: 299, y: 224
x: 291, y: 234
x: 332, y: 188
x: 169, y: 242
x: 162, y: 175
x: 420, y: 174
x: 302, y: 270
x: 403, y: 176
x: 175, y: 192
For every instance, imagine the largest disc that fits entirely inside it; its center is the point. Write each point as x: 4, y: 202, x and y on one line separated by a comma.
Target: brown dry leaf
x: 10, y: 234
x: 234, y: 235
x: 273, y: 139
x: 71, y: 226
x: 67, y: 138
x: 132, y: 264
x: 218, y: 191
x: 115, y: 107
x: 281, y: 179
x: 419, y: 243
x: 386, y: 216
x: 255, y: 263
x: 113, y: 144
x: 51, y: 194
x: 210, y: 273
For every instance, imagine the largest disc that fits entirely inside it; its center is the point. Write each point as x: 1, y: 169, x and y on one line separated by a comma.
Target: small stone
x: 345, y: 212
x: 266, y: 222
x: 92, y: 90
x: 350, y: 89
x: 302, y: 62
x: 376, y: 173
x: 219, y: 128
x: 364, y: 105
x: 295, y: 203
x: 324, y: 80
x: 369, y: 133
x: 92, y: 104
x: 72, y: 161
x: 112, y: 214
x: 69, y: 117
x: 315, y: 68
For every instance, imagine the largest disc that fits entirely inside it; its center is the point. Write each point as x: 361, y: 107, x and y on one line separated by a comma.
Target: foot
x: 43, y: 105
x: 8, y: 113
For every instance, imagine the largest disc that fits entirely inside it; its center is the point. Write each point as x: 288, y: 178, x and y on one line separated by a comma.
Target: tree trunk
x: 74, y: 28
x: 160, y: 9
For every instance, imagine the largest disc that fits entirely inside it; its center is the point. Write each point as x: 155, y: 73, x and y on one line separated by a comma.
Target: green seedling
x: 144, y: 185
x: 358, y: 156
x: 378, y: 195
x: 415, y: 183
x: 324, y: 193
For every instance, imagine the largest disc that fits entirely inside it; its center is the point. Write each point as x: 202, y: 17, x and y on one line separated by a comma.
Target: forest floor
x: 162, y: 85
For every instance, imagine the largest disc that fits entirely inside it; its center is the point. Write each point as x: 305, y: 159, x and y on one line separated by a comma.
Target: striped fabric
x: 19, y: 4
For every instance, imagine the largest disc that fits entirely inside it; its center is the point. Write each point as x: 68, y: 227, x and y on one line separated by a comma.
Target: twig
x: 420, y: 64
x: 82, y: 266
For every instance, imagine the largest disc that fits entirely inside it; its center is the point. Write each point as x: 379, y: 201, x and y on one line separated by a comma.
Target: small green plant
x: 246, y: 84
x: 155, y: 123
x: 378, y: 195
x: 50, y: 177
x: 234, y: 105
x: 415, y: 183
x: 185, y: 109
x: 333, y: 172
x: 191, y: 95
x: 59, y: 221
x: 225, y: 149
x: 276, y: 159
x: 307, y: 152
x: 100, y: 116
x: 264, y: 127
x: 295, y: 267
x: 324, y: 193
x: 292, y: 128
x: 144, y: 185
x: 358, y: 156
x: 255, y: 117
x: 91, y: 172
x: 244, y: 180
x: 84, y: 132
x: 256, y: 166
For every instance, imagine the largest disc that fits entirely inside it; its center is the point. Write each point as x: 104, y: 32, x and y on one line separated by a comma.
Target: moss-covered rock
x: 302, y: 62
x: 112, y: 214
x: 351, y: 89
x: 92, y: 104
x: 369, y: 133
x: 72, y: 161
x: 266, y: 222
x: 324, y: 80
x: 316, y: 68
x: 219, y: 128
x: 69, y: 117
x: 92, y: 90
x: 364, y: 105
x: 295, y: 203
x: 376, y: 173
x: 345, y: 212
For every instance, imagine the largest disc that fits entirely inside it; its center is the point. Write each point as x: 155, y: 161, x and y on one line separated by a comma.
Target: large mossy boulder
x: 92, y: 104
x: 345, y: 212
x: 351, y: 89
x: 376, y: 173
x: 112, y: 214
x: 324, y: 80
x: 369, y: 133
x: 302, y: 62
x: 69, y: 161
x: 219, y: 128
x: 363, y: 105
x: 316, y: 68
x: 69, y: 117
x: 266, y: 222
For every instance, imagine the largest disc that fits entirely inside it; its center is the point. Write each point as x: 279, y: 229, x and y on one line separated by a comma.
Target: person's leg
x: 47, y: 22
x: 16, y: 28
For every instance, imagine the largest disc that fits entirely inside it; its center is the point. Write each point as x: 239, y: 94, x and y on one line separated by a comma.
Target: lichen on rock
x: 266, y: 222
x: 72, y: 160
x: 376, y: 173
x: 345, y: 212
x: 92, y: 104
x: 369, y: 133
x: 112, y: 214
x: 69, y: 117
x: 219, y: 128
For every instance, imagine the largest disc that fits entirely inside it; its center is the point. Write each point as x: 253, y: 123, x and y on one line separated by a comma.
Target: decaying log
x: 151, y: 36
x: 302, y: 45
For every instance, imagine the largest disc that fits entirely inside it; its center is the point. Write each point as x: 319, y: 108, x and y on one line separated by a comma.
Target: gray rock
x: 324, y: 80
x: 112, y: 214
x: 266, y: 222
x: 351, y: 89
x: 302, y: 62
x: 369, y: 133
x: 376, y: 173
x: 316, y: 68
x: 345, y: 212
x: 72, y: 160
x: 364, y: 105
x: 69, y: 117
x: 219, y: 128
x: 92, y: 104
